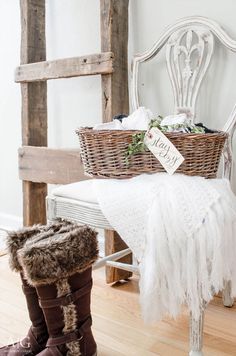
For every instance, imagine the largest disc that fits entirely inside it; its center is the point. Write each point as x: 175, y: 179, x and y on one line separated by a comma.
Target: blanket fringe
x: 183, y: 269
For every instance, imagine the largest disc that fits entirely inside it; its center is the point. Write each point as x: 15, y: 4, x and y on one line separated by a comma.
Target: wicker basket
x: 103, y: 153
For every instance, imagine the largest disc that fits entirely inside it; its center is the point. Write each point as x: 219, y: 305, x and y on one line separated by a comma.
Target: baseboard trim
x: 10, y: 222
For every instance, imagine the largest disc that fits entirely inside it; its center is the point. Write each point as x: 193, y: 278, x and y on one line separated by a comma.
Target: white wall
x: 10, y: 108
x: 73, y: 29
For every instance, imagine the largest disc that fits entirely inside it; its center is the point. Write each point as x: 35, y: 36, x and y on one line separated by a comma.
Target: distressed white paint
x: 73, y: 29
x: 196, y: 335
x: 190, y: 36
x: 185, y: 75
x: 189, y: 49
x: 114, y: 257
x: 77, y: 101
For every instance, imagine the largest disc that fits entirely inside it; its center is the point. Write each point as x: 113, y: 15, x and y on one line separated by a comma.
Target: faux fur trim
x: 17, y: 239
x: 70, y: 317
x: 59, y: 256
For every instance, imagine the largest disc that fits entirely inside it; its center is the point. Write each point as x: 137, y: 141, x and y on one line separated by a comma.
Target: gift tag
x: 162, y: 148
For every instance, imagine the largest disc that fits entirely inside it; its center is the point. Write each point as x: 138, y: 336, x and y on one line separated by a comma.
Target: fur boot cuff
x: 17, y: 239
x: 59, y: 256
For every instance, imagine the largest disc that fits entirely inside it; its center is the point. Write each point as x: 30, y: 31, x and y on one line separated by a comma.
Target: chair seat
x: 76, y: 202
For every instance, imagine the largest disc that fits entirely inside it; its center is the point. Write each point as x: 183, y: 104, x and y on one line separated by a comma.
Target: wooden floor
x: 2, y: 242
x: 118, y: 327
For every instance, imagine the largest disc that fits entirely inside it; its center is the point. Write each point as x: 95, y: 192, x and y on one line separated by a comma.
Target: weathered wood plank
x: 115, y: 98
x: 114, y: 38
x: 52, y: 166
x: 33, y: 40
x: 34, y: 203
x: 114, y: 243
x: 34, y: 103
x: 93, y: 64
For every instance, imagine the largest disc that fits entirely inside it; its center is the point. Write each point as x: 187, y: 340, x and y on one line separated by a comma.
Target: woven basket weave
x: 103, y: 153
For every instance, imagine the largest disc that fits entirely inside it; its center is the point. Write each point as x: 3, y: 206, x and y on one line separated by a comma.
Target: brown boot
x: 37, y: 336
x: 60, y: 269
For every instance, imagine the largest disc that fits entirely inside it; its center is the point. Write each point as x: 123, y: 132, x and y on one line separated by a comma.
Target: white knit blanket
x: 182, y: 230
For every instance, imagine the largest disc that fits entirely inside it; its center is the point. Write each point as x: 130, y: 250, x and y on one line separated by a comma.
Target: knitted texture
x: 182, y: 230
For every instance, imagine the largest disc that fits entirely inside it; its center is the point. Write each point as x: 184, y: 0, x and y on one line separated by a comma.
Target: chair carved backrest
x: 188, y: 55
x: 189, y: 48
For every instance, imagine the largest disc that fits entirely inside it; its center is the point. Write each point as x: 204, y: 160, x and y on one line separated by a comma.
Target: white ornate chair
x: 189, y: 37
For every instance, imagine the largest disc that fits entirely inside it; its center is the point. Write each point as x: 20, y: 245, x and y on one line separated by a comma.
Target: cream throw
x: 182, y: 230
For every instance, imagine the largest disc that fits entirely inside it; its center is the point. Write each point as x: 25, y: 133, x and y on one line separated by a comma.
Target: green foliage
x: 138, y: 146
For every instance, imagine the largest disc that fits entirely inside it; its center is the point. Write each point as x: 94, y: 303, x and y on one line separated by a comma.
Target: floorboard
x: 118, y: 327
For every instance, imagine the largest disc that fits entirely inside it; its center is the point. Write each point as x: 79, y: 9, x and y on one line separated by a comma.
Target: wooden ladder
x: 38, y: 164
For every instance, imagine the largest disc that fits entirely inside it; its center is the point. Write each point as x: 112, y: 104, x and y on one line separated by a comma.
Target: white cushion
x: 76, y: 202
x: 82, y: 191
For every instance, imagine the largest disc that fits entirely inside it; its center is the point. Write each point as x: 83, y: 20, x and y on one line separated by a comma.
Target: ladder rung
x: 93, y: 64
x: 48, y: 165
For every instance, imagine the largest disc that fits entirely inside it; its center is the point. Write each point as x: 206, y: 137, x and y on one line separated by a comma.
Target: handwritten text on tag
x: 162, y: 148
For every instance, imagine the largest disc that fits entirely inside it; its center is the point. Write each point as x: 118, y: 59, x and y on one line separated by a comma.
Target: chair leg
x: 196, y: 335
x: 228, y: 301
